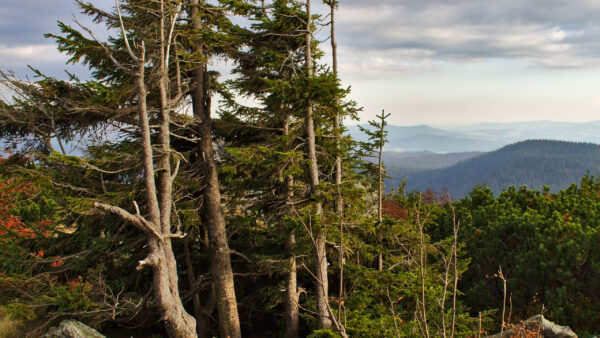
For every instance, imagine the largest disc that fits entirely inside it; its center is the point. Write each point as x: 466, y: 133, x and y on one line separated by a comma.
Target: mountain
x: 534, y: 163
x: 426, y: 138
x: 483, y: 136
x: 423, y: 160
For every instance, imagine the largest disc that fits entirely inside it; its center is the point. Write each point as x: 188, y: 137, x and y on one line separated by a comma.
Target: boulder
x: 72, y: 329
x: 548, y: 329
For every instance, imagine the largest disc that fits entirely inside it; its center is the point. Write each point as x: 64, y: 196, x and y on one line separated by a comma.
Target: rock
x: 548, y: 329
x: 72, y: 329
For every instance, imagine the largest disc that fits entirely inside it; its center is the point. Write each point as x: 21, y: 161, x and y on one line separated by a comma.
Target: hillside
x: 534, y: 163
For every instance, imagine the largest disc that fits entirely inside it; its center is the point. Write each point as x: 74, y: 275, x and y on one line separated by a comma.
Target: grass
x: 9, y: 327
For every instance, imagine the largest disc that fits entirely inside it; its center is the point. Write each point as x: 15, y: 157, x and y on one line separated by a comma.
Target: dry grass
x: 9, y: 327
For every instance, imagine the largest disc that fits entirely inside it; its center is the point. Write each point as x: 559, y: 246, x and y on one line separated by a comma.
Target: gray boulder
x: 548, y: 329
x: 72, y: 329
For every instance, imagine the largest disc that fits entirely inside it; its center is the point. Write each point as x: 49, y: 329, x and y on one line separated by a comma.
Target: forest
x: 535, y: 163
x: 185, y: 213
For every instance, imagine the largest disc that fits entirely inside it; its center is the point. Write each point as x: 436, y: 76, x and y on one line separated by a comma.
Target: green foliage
x: 545, y: 244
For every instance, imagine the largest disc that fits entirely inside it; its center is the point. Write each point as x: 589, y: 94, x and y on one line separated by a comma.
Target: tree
x: 157, y: 226
x: 148, y: 53
x: 214, y: 217
x: 378, y: 139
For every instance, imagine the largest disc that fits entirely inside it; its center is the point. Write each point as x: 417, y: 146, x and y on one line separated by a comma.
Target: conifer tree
x: 321, y: 278
x: 378, y: 138
x: 202, y: 88
x: 268, y: 70
x: 158, y: 170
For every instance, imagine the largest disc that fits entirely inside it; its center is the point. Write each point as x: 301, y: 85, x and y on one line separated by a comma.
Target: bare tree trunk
x: 292, y: 314
x: 422, y: 268
x: 339, y: 200
x: 455, y: 226
x: 292, y: 309
x: 322, y: 284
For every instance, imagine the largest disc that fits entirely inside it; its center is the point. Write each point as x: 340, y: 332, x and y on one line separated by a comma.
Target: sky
x: 437, y: 62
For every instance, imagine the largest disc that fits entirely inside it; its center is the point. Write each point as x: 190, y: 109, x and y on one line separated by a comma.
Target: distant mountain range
x: 481, y: 137
x: 425, y: 159
x: 534, y: 163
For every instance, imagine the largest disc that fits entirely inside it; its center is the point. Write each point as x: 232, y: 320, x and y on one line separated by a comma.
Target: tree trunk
x: 292, y: 308
x: 292, y: 314
x: 229, y: 324
x: 222, y: 274
x: 161, y: 258
x: 202, y: 327
x: 380, y: 188
x: 322, y: 284
x: 339, y: 201
x: 177, y: 321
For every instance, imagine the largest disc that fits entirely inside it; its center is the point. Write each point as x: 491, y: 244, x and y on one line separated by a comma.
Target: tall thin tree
x: 322, y: 283
x: 213, y: 217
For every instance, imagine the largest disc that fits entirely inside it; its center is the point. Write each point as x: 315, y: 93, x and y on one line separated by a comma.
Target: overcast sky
x: 425, y: 61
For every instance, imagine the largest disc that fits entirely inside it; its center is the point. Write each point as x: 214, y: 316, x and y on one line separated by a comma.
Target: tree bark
x: 160, y: 258
x: 292, y: 308
x: 322, y: 284
x: 222, y: 274
x: 202, y: 327
x: 292, y: 314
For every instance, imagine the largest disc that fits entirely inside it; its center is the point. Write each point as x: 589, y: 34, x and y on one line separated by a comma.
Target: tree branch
x: 138, y: 220
x: 124, y: 32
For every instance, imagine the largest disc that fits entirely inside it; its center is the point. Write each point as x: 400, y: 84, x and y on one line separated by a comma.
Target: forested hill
x: 534, y: 163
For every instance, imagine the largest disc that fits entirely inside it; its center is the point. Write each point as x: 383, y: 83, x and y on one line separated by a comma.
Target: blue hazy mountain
x: 534, y: 163
x: 483, y: 136
x: 426, y: 138
x: 425, y: 159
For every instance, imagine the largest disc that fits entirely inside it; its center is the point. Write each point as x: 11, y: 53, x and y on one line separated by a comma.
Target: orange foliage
x: 393, y: 210
x: 430, y: 196
x: 11, y: 193
x: 12, y: 227
x: 57, y: 263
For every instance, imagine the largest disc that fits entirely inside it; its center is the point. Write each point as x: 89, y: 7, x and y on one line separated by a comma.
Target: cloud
x: 23, y: 24
x: 28, y: 53
x: 357, y: 63
x: 25, y: 21
x: 547, y: 33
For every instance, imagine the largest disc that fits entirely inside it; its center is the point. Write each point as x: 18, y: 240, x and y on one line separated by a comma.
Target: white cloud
x: 356, y: 63
x: 28, y: 53
x: 549, y: 33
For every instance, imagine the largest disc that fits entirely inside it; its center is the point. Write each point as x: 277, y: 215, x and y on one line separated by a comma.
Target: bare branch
x: 151, y: 260
x: 175, y: 171
x: 138, y: 220
x: 124, y: 32
x: 170, y: 39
